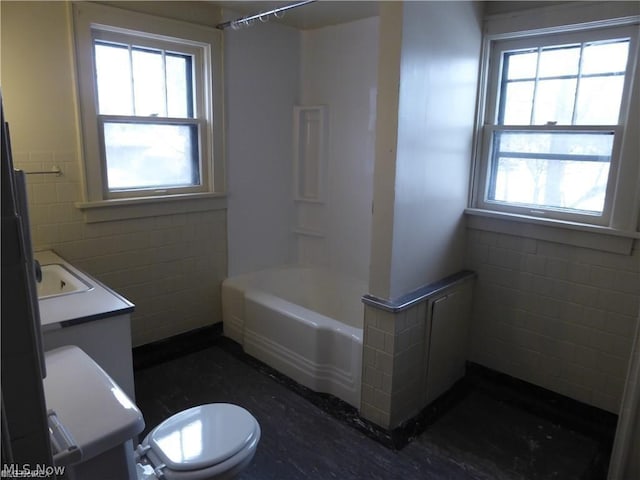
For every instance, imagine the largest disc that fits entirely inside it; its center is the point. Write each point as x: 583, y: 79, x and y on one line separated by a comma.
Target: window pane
x: 599, y: 100
x: 556, y: 61
x: 521, y: 65
x: 148, y: 75
x: 518, y: 104
x: 113, y: 77
x: 179, y: 86
x: 557, y: 143
x: 605, y: 57
x: 566, y: 171
x: 554, y: 102
x: 151, y: 155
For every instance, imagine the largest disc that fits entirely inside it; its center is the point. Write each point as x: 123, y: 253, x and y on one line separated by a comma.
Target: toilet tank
x: 92, y: 408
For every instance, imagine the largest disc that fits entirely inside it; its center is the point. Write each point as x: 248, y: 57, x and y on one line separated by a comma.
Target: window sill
x: 123, y: 209
x: 575, y: 234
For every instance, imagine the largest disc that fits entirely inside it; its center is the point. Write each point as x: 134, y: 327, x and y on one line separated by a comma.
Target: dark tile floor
x: 480, y: 437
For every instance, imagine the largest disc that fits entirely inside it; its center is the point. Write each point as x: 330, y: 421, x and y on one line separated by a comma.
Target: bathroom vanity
x: 76, y: 309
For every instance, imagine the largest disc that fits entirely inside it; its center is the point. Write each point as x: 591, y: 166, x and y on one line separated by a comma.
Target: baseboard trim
x: 151, y: 354
x: 567, y: 412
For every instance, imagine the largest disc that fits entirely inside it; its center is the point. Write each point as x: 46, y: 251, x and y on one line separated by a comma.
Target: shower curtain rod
x: 248, y: 20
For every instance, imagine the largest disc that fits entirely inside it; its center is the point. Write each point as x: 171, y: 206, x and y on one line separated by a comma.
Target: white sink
x: 59, y: 280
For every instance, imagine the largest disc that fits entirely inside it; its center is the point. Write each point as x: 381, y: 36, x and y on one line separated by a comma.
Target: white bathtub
x: 304, y: 322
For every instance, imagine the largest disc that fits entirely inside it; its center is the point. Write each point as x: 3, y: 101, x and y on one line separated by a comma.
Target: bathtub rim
x: 255, y: 280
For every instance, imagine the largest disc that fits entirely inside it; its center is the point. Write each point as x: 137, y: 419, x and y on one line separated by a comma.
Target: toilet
x: 213, y: 441
x: 94, y: 426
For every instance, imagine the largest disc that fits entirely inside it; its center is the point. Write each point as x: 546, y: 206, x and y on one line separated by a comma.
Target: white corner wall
x: 262, y: 85
x: 439, y: 72
x: 339, y: 70
x: 439, y: 58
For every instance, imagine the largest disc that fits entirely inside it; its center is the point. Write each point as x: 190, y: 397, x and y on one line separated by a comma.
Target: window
x: 554, y: 124
x: 150, y: 101
x: 149, y: 133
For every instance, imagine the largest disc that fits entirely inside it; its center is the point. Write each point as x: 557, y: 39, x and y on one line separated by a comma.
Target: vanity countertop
x: 79, y: 307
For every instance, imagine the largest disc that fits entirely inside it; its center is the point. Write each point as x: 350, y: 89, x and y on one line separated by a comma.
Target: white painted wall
x: 386, y: 143
x: 439, y: 57
x: 39, y: 120
x: 439, y: 72
x: 339, y: 70
x: 262, y: 72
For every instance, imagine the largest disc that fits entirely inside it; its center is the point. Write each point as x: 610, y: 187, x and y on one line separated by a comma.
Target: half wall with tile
x: 414, y: 350
x: 556, y: 315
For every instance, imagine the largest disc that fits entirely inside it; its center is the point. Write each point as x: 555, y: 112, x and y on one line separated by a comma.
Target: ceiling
x: 320, y: 13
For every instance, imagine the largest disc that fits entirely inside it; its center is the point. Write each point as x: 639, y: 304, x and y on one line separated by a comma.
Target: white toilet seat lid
x: 203, y: 436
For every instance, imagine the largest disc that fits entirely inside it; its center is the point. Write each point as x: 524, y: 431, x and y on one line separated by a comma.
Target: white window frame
x: 620, y: 216
x: 93, y: 21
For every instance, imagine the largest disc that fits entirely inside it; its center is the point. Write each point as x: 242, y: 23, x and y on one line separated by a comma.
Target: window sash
x: 497, y: 47
x: 487, y: 172
x: 537, y: 80
x: 165, y: 55
x: 124, y: 192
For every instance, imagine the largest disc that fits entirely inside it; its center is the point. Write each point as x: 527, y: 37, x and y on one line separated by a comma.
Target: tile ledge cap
x: 418, y: 295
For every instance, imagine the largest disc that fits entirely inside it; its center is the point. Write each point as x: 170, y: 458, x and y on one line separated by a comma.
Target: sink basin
x: 58, y: 280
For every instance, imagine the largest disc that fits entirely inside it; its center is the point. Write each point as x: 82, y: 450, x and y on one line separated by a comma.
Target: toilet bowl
x: 215, y: 441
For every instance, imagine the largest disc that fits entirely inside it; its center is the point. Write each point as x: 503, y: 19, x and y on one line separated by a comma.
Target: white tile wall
x: 557, y: 316
x: 170, y: 266
x: 377, y: 375
x: 395, y: 349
